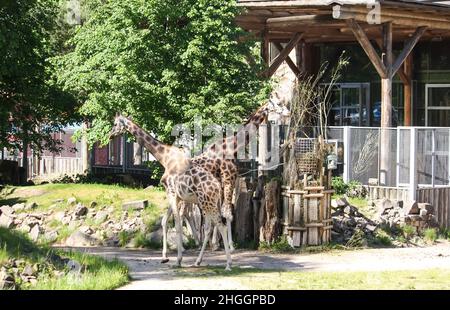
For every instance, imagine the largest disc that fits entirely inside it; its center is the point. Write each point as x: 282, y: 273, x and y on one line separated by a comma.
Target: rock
x: 86, y: 229
x: 7, y: 281
x: 101, y: 216
x: 34, y: 233
x: 80, y: 210
x: 371, y: 228
x: 384, y: 205
x: 149, y: 188
x: 59, y: 216
x: 51, y: 236
x: 79, y: 238
x: 58, y: 201
x: 28, y: 271
x: 19, y: 207
x: 7, y: 210
x: 426, y: 206
x: 342, y: 202
x: 411, y: 207
x: 334, y: 204
x: 6, y: 221
x: 92, y: 204
x: 423, y: 213
x: 31, y: 206
x: 73, y: 266
x: 71, y: 201
x: 135, y: 205
x: 350, y: 210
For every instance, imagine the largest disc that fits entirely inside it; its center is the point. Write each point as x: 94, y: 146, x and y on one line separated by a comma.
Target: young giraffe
x: 183, y: 181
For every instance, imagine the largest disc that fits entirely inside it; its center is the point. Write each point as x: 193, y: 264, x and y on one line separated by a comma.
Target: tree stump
x: 269, y: 215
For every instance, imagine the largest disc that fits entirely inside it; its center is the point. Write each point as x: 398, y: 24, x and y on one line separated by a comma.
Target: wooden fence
x: 439, y: 197
x: 307, y: 215
x: 49, y: 166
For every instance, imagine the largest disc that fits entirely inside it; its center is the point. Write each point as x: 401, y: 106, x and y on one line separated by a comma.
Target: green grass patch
x: 430, y: 235
x: 294, y: 280
x: 97, y: 273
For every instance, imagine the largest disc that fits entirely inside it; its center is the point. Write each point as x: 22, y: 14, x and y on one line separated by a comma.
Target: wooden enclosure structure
x: 375, y: 25
x: 307, y: 215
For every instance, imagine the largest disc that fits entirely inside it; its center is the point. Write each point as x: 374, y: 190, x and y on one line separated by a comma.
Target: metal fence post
x: 346, y: 138
x: 412, y: 166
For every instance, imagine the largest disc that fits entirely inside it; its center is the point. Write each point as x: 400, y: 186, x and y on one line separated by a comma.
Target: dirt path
x: 148, y: 273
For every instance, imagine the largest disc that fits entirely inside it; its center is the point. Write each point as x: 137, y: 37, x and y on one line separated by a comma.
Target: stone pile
x: 347, y: 220
x: 399, y: 213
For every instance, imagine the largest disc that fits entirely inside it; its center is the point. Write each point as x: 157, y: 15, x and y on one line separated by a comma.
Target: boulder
x: 28, y: 271
x: 7, y: 281
x: 51, y: 236
x: 92, y: 204
x: 34, y: 233
x: 71, y: 201
x: 79, y: 238
x: 342, y: 202
x: 384, y: 205
x: 80, y: 210
x: 426, y: 206
x: 411, y: 207
x: 31, y: 206
x: 86, y: 229
x: 7, y: 210
x: 73, y: 266
x: 6, y: 221
x: 101, y: 216
x: 135, y: 205
x: 19, y: 207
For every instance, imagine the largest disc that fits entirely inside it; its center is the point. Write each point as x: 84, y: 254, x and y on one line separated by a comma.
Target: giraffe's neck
x: 235, y: 144
x: 165, y: 154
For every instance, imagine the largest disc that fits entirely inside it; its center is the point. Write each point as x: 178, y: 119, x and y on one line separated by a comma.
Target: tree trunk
x: 243, y: 213
x: 269, y: 216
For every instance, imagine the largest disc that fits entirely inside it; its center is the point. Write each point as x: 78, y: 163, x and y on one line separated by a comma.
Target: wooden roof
x: 279, y: 20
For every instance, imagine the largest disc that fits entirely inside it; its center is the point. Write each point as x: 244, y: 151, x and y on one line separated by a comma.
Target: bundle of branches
x: 309, y: 112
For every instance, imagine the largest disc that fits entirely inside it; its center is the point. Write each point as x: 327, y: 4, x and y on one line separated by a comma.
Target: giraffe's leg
x: 173, y: 201
x: 164, y: 221
x: 208, y: 227
x: 214, y: 240
x: 223, y: 231
x: 227, y: 208
x: 194, y: 231
x: 230, y: 236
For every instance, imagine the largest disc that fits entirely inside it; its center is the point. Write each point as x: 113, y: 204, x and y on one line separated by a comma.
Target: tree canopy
x: 31, y: 105
x: 161, y: 62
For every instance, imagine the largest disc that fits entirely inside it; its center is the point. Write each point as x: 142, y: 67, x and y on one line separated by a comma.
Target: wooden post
x: 265, y: 52
x: 85, y: 150
x: 386, y: 104
x: 407, y: 90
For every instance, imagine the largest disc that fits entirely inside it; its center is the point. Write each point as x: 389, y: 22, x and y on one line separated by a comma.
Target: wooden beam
x: 407, y: 90
x: 397, y: 20
x: 386, y: 82
x: 284, y: 54
x: 408, y: 48
x: 367, y: 46
x: 288, y: 59
x: 265, y: 44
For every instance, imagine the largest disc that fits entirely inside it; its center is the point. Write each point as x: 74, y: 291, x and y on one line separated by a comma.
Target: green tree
x: 32, y: 107
x: 162, y: 62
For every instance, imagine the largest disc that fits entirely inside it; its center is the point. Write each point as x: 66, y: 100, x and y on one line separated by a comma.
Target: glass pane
x: 350, y: 116
x: 439, y: 97
x: 334, y: 117
x: 439, y: 118
x: 350, y: 97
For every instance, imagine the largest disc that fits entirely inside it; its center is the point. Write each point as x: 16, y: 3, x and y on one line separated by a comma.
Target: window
x: 437, y: 105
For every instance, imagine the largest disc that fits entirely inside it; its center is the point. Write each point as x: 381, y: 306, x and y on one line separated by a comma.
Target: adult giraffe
x: 183, y: 181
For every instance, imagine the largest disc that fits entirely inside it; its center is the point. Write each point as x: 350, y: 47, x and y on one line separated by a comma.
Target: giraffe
x: 223, y: 164
x: 183, y: 181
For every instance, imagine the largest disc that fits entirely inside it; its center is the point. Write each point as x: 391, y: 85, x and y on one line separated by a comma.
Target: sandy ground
x: 148, y: 273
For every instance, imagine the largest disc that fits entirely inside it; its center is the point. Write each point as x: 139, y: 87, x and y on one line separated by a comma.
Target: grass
x: 111, y: 195
x: 98, y: 272
x: 55, y: 196
x: 290, y: 280
x: 430, y: 235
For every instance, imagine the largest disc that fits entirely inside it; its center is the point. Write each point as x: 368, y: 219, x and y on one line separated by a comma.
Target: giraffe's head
x: 119, y: 127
